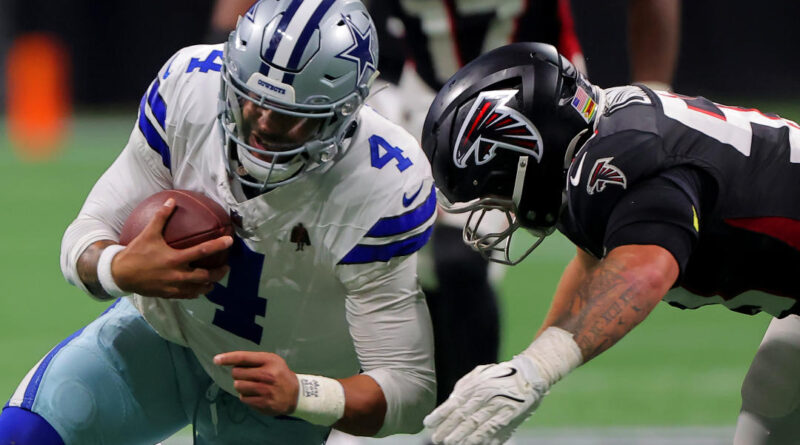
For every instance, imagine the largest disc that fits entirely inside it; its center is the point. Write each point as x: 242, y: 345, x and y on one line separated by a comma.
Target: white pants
x: 771, y: 390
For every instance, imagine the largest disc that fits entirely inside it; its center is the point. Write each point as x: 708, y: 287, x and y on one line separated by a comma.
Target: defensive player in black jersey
x: 435, y: 40
x: 666, y: 197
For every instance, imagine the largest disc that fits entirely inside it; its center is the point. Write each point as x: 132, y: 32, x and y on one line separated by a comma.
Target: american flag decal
x: 584, y: 104
x: 603, y: 173
x: 491, y: 125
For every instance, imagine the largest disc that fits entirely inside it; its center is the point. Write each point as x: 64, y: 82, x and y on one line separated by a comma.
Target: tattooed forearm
x: 611, y: 302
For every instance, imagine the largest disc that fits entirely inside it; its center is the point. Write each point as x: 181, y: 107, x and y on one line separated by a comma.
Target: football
x: 196, y: 218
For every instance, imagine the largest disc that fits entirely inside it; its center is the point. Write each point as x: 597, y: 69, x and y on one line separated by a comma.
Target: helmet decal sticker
x: 263, y: 85
x: 491, y: 125
x: 584, y: 104
x: 361, y: 51
x: 602, y: 174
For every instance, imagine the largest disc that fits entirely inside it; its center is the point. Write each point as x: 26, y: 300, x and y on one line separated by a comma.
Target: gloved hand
x: 489, y: 403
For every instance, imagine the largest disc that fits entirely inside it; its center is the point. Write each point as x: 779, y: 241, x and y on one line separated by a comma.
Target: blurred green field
x: 678, y: 368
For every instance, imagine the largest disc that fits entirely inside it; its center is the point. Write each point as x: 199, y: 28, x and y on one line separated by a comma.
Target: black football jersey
x: 717, y: 186
x: 443, y: 35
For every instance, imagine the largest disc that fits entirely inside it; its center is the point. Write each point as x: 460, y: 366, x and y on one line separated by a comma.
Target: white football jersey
x: 323, y: 270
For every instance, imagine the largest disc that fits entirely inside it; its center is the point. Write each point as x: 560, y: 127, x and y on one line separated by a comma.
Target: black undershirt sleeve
x: 662, y: 211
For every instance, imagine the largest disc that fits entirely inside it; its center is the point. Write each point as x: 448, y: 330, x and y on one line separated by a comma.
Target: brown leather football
x: 197, y: 218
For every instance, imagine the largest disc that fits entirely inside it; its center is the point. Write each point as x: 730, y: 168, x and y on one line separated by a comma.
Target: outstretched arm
x: 574, y: 274
x: 596, y: 304
x: 601, y: 302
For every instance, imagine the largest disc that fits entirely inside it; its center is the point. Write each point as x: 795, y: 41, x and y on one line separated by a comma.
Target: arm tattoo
x: 605, y: 308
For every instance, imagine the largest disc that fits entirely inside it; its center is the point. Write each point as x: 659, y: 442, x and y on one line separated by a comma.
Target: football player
x: 282, y: 343
x: 435, y: 40
x: 666, y: 197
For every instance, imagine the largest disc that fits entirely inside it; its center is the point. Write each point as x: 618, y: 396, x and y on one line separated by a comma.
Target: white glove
x: 489, y: 403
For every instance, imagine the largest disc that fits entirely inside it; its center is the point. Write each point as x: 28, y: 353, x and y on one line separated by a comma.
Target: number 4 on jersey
x: 379, y: 160
x: 239, y: 299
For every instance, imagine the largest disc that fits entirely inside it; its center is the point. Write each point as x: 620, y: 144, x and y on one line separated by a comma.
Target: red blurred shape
x: 38, y: 90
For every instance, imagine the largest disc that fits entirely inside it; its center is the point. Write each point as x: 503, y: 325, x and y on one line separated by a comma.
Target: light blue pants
x: 117, y: 382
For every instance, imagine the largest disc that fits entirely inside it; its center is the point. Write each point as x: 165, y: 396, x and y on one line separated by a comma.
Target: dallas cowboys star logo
x: 361, y: 50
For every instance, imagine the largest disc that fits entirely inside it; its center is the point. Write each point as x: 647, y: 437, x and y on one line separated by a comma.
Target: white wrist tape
x: 104, y: 271
x: 320, y: 400
x: 555, y: 353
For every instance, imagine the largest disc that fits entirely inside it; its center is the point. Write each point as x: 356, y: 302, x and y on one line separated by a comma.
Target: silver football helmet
x: 306, y: 65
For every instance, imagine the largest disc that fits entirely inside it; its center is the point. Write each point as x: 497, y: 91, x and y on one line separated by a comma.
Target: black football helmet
x: 501, y: 134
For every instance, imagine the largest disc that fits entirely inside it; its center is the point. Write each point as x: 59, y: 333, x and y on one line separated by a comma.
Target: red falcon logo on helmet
x: 491, y: 125
x: 603, y: 173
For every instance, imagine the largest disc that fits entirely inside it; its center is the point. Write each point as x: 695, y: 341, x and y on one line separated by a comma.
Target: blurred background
x: 71, y: 76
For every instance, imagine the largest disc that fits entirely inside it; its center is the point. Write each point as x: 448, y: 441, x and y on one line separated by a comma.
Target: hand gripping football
x: 196, y: 218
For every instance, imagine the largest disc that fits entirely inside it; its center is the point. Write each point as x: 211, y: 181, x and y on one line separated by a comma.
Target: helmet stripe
x: 277, y: 36
x: 251, y: 13
x: 294, y: 27
x: 302, y: 41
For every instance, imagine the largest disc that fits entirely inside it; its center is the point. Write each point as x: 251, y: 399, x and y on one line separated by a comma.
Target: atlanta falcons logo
x: 489, y: 125
x: 604, y: 173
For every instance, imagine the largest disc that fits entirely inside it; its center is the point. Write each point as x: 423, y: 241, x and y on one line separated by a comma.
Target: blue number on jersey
x: 240, y: 301
x: 205, y: 65
x: 379, y: 161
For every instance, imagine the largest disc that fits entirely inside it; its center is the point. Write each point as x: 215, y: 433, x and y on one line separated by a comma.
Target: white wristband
x: 104, y: 271
x: 555, y: 354
x: 320, y: 400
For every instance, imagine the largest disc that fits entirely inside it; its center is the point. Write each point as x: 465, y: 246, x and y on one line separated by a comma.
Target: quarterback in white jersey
x: 330, y: 201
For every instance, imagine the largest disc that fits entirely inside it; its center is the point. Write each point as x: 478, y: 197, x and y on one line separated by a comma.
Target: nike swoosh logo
x: 407, y: 201
x: 506, y: 396
x: 576, y: 179
x: 511, y: 372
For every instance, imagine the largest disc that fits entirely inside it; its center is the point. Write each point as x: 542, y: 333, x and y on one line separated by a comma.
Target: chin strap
x: 519, y: 180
